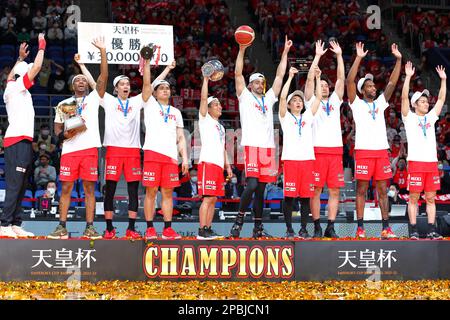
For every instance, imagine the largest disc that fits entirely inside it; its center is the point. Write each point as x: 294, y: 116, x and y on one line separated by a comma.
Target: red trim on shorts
x: 153, y: 156
x: 329, y: 150
x: 26, y: 81
x: 8, y: 142
x: 421, y: 166
x: 365, y: 154
x: 122, y: 152
x: 82, y: 153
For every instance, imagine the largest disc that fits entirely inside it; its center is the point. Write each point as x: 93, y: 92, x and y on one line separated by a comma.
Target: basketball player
x: 213, y: 159
x: 18, y: 138
x: 80, y: 147
x: 327, y: 137
x: 371, y: 155
x: 256, y: 114
x: 298, y: 150
x: 423, y: 174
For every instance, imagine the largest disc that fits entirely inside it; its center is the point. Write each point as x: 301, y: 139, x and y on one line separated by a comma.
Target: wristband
x: 42, y: 44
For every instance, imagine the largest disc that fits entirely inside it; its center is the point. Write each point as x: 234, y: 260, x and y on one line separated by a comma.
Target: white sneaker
x: 7, y: 232
x: 21, y: 233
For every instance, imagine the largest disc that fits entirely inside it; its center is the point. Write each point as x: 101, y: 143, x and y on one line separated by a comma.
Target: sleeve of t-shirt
x: 245, y: 93
x: 137, y: 101
x: 310, y: 102
x: 382, y: 103
x: 179, y: 119
x: 105, y: 102
x: 355, y: 102
x: 271, y: 95
x: 335, y: 98
x: 432, y: 116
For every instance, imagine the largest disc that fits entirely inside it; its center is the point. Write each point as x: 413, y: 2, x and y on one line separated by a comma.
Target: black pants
x: 18, y: 166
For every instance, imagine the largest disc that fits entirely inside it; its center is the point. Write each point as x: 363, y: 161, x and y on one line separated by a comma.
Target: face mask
x: 233, y: 180
x: 43, y: 147
x: 194, y: 179
x: 51, y: 191
x: 45, y: 132
x: 440, y: 166
x: 391, y: 193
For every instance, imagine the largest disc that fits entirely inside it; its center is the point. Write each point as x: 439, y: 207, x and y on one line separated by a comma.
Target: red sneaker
x: 360, y: 233
x: 132, y: 234
x: 170, y: 234
x: 387, y: 234
x: 150, y: 234
x: 109, y: 234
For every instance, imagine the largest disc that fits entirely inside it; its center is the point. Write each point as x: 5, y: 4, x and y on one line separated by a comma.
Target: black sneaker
x: 259, y: 232
x: 203, y: 234
x: 330, y: 233
x: 290, y: 234
x: 303, y: 234
x: 317, y: 232
x: 414, y: 235
x: 213, y: 234
x: 237, y: 227
x: 433, y: 235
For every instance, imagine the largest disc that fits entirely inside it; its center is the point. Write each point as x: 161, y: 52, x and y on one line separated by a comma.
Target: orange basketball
x: 244, y: 35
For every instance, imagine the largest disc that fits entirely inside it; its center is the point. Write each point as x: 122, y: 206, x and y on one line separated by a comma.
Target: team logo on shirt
x: 427, y: 125
x: 387, y: 169
x: 324, y: 108
x: 169, y: 116
x: 93, y: 171
x: 119, y: 108
x: 260, y: 109
x: 436, y: 180
x: 340, y: 177
x: 373, y: 112
x: 136, y: 171
x: 173, y: 177
x: 296, y: 123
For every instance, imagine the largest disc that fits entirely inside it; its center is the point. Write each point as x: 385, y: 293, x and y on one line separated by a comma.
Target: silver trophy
x: 74, y: 120
x: 213, y: 70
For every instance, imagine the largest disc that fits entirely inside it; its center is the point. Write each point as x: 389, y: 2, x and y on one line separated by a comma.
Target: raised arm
x: 167, y: 70
x: 85, y: 72
x: 23, y: 54
x: 409, y: 70
x: 316, y: 103
x: 204, y: 97
x: 182, y: 149
x: 284, y: 93
x: 309, y: 86
x: 350, y: 82
x: 340, y: 82
x: 33, y: 72
x: 238, y: 76
x: 102, y: 79
x: 281, y: 70
x: 395, y: 73
x: 147, y: 88
x: 442, y: 91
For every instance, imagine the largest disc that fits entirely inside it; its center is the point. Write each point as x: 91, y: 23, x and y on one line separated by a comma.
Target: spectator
x: 24, y: 18
x: 57, y: 81
x: 44, y: 140
x: 39, y: 24
x: 10, y: 36
x: 23, y: 36
x: 55, y: 34
x: 189, y: 189
x: 393, y: 196
x: 8, y: 21
x: 70, y: 35
x: 233, y: 190
x: 44, y: 172
x: 50, y: 191
x: 400, y: 175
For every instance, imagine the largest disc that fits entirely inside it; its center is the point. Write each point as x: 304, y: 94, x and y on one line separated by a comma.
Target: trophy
x: 74, y: 121
x: 147, y: 51
x: 213, y: 70
x: 301, y: 64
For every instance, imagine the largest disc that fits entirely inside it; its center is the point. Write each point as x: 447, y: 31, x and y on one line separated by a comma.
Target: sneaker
x: 290, y: 234
x: 330, y: 233
x: 387, y: 234
x: 59, y: 233
x: 21, y: 233
x: 360, y: 233
x: 214, y: 234
x: 108, y: 235
x: 236, y: 230
x: 414, y: 235
x: 317, y: 232
x: 170, y: 234
x: 433, y: 235
x: 259, y: 232
x: 132, y: 234
x: 203, y: 234
x: 303, y: 234
x: 7, y: 232
x: 150, y: 234
x: 91, y: 233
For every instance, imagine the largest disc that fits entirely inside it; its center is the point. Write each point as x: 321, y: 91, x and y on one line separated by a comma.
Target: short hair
x: 395, y: 185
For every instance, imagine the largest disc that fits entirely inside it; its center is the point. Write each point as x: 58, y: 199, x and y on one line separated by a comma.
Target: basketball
x: 244, y: 35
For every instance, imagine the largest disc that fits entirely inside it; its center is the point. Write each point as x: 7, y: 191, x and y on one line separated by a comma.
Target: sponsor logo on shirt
x: 340, y: 177
x: 211, y: 182
x: 360, y: 169
x: 290, y: 189
x: 387, y: 169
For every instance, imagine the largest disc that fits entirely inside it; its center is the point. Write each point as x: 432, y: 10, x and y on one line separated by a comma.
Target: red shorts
x: 127, y: 160
x: 260, y: 163
x: 159, y: 171
x: 210, y: 180
x: 298, y: 178
x: 372, y: 163
x: 329, y: 169
x: 423, y: 176
x: 79, y: 165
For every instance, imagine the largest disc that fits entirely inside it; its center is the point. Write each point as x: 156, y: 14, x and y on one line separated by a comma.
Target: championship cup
x: 147, y: 51
x: 75, y: 121
x: 213, y: 70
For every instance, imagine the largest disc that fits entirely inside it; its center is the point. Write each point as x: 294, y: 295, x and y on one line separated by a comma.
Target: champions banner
x: 222, y: 260
x: 125, y: 41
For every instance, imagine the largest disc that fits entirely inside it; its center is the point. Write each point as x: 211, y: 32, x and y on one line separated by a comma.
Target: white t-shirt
x: 121, y: 131
x: 370, y: 124
x: 161, y: 136
x: 327, y: 127
x: 212, y: 135
x: 297, y: 146
x: 421, y: 136
x: 19, y: 107
x: 89, y: 138
x: 257, y: 127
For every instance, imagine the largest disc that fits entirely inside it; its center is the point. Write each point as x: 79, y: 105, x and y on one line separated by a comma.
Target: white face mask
x: 391, y: 193
x: 194, y: 179
x: 233, y: 180
x: 51, y: 191
x: 440, y: 166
